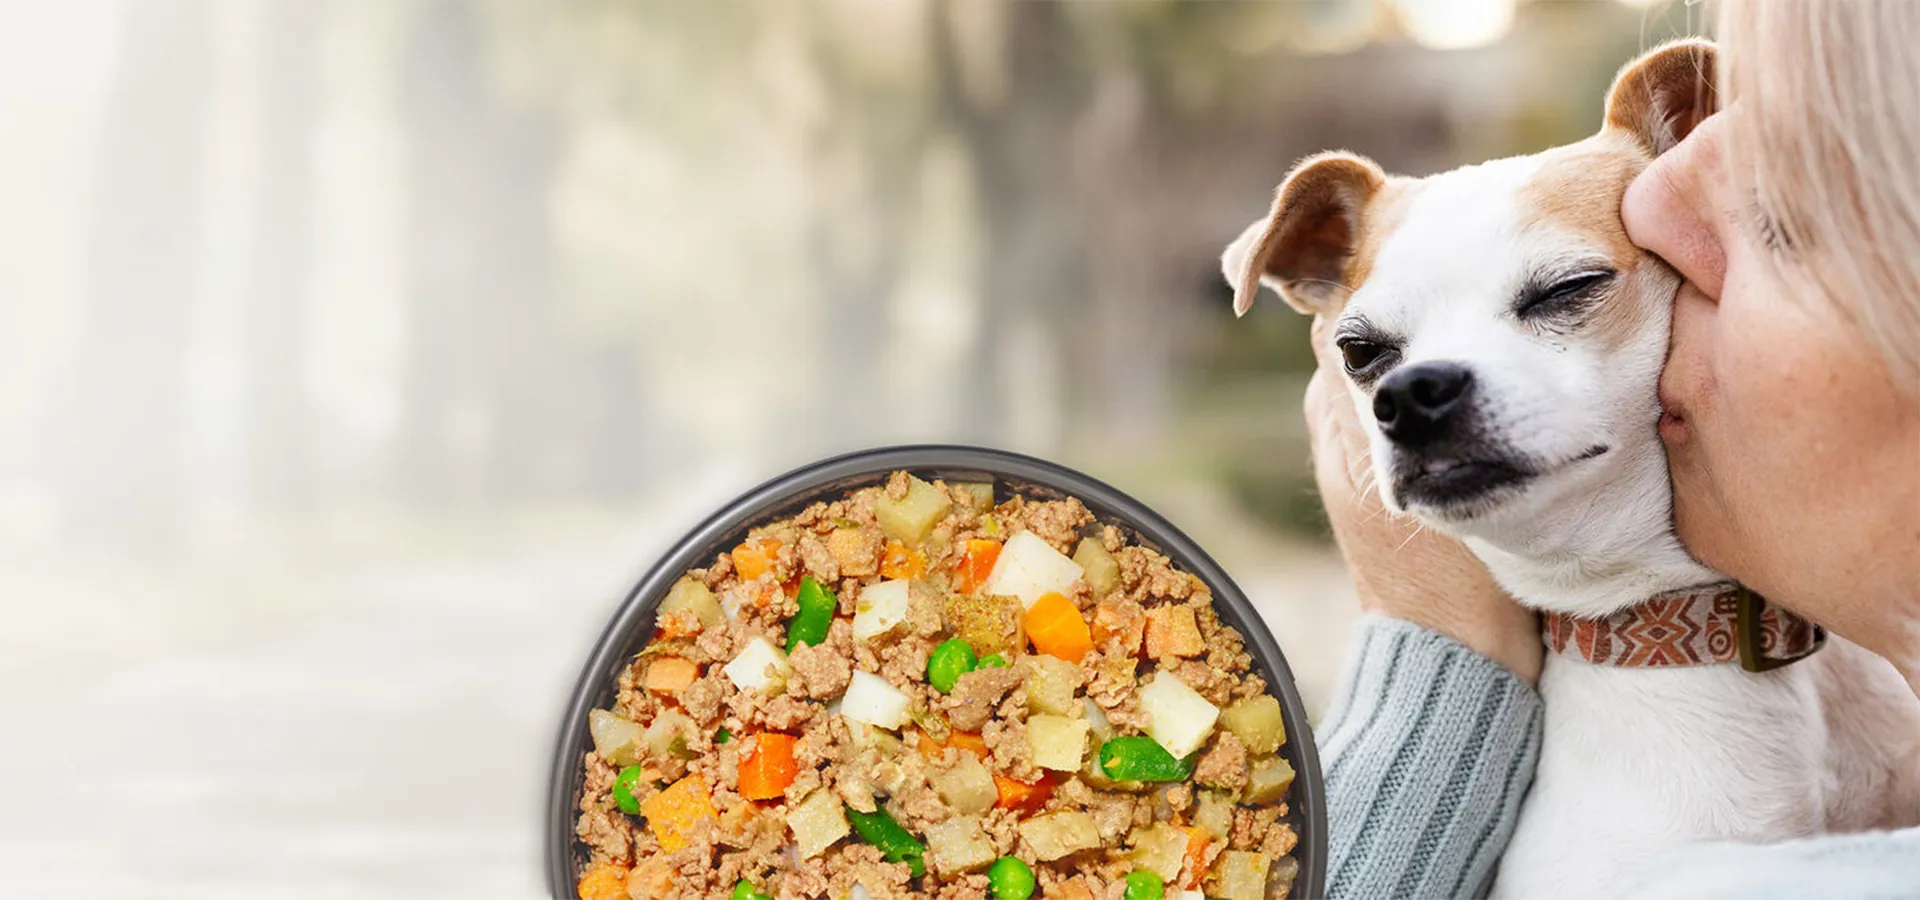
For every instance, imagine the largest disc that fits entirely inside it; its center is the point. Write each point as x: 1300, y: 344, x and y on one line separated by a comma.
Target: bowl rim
x: 769, y: 500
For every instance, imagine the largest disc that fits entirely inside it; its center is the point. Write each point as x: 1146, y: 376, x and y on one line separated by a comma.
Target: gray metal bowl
x: 1011, y: 473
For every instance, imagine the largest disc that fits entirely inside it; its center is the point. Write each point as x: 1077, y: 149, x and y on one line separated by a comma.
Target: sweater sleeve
x: 1427, y: 751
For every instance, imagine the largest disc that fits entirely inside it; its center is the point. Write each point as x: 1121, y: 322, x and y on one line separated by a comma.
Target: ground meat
x: 602, y: 827
x: 1279, y: 841
x: 1057, y: 522
x: 703, y: 698
x: 819, y: 673
x: 1207, y: 681
x: 923, y: 609
x: 817, y: 560
x: 1145, y: 575
x: 1251, y: 824
x: 1223, y: 766
x: 1112, y: 683
x: 1010, y: 753
x: 1113, y: 813
x: 789, y: 713
x: 976, y: 695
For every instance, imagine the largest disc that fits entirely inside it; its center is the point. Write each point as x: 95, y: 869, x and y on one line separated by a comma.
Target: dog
x: 1503, y: 342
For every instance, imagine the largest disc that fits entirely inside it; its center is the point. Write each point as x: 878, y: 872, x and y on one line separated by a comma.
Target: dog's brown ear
x: 1660, y: 97
x: 1302, y: 248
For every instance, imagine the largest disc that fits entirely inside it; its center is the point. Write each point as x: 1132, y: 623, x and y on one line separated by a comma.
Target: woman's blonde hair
x: 1827, y: 142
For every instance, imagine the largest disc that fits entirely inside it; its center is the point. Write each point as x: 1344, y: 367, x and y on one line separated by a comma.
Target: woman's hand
x: 1401, y: 570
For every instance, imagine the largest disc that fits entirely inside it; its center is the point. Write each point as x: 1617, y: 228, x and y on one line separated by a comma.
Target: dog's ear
x: 1301, y: 249
x: 1660, y: 97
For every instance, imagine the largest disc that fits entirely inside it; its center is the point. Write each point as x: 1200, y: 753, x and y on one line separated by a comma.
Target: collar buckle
x: 1751, y: 607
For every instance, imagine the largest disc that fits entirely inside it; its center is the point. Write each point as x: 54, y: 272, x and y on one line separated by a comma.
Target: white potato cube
x: 1177, y: 716
x: 1057, y: 834
x: 817, y: 822
x: 872, y: 700
x: 1057, y: 742
x: 958, y: 845
x: 1029, y: 568
x: 760, y: 667
x: 879, y: 608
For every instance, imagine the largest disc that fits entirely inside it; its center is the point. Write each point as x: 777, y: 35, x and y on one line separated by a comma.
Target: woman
x: 1792, y: 398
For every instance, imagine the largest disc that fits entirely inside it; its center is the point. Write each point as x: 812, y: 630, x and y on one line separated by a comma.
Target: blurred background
x: 355, y: 356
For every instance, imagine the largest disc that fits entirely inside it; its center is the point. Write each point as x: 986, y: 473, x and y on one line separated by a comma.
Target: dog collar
x: 1719, y: 623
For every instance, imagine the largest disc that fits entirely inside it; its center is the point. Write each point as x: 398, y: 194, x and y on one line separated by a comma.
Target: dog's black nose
x: 1415, y: 403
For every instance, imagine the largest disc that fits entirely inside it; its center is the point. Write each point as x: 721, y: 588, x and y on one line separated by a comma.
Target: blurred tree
x: 277, y: 462
x: 482, y: 404
x: 121, y: 470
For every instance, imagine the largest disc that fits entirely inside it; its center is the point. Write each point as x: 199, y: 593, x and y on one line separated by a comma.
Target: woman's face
x: 1796, y: 463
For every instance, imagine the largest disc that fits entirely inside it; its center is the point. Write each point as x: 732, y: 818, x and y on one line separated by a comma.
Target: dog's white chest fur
x: 1639, y: 761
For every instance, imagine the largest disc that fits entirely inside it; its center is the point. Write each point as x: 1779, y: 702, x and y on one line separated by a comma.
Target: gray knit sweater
x: 1428, y: 750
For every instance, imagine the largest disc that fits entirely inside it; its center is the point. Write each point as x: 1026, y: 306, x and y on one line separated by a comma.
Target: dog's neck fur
x: 1603, y: 551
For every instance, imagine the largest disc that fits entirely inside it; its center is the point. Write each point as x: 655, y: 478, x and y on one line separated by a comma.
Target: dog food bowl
x: 1011, y: 473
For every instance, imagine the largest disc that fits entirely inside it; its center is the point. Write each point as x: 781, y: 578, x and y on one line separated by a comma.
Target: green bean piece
x: 992, y: 661
x: 623, y: 790
x: 1144, y: 885
x: 895, y: 843
x: 809, y: 625
x: 742, y: 890
x: 1136, y: 758
x: 947, y: 663
x: 1010, y: 879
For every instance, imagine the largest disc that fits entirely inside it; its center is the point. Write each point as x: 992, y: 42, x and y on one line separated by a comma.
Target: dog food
x: 916, y: 691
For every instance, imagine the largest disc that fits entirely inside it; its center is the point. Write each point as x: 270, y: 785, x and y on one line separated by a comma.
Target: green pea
x: 1144, y: 885
x: 992, y: 661
x: 1011, y: 879
x: 947, y: 663
x: 744, y: 891
x: 623, y: 790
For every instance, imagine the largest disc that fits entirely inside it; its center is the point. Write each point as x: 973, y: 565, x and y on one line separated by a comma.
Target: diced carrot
x: 1057, y: 629
x: 679, y: 623
x: 767, y: 769
x: 1022, y: 796
x: 755, y: 559
x: 970, y: 742
x: 902, y: 561
x: 651, y: 880
x: 1171, y: 632
x: 1194, y: 866
x: 670, y: 674
x: 673, y: 813
x: 605, y: 881
x: 1108, y: 622
x: 976, y: 565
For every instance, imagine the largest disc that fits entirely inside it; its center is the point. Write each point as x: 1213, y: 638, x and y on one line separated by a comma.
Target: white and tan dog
x: 1503, y: 341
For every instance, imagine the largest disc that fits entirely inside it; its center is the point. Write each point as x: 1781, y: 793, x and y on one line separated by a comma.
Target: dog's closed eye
x: 1562, y: 295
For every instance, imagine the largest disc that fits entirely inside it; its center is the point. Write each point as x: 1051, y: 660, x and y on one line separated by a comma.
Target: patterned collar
x: 1718, y: 623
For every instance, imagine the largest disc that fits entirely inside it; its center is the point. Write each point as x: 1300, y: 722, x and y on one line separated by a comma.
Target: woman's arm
x: 1427, y: 751
x: 1432, y: 741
